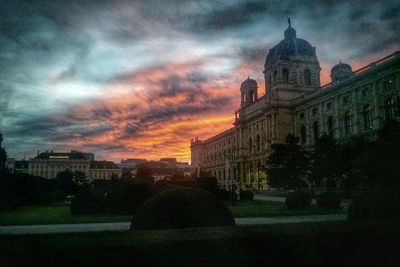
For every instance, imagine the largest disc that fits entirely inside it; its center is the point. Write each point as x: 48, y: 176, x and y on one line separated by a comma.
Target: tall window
x: 367, y: 117
x: 250, y: 145
x: 348, y: 123
x: 330, y: 126
x: 285, y: 75
x: 316, y: 130
x: 258, y: 143
x: 307, y: 77
x: 390, y: 108
x: 275, y: 76
x: 303, y: 134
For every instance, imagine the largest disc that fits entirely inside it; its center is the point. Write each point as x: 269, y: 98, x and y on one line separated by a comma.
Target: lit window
x: 348, y: 123
x: 390, y: 108
x: 367, y: 117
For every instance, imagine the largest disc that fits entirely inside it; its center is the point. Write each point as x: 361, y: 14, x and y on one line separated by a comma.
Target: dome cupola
x: 248, y: 90
x: 340, y: 72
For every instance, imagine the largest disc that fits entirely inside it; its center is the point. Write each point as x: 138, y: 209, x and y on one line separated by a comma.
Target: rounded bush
x: 298, y: 200
x: 182, y: 208
x: 88, y: 201
x: 127, y: 197
x: 246, y: 195
x: 329, y: 200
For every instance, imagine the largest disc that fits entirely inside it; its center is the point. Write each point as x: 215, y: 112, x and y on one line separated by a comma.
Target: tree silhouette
x: 289, y: 164
x: 3, y: 155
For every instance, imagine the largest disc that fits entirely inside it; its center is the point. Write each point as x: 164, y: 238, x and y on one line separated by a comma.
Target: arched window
x: 285, y: 75
x: 303, y: 134
x: 316, y: 130
x: 367, y: 117
x: 348, y: 123
x: 258, y: 142
x: 307, y: 77
x: 330, y: 126
x: 250, y: 145
x: 275, y: 76
x: 390, y: 108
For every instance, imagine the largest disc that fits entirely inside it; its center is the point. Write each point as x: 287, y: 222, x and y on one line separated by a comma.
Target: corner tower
x: 248, y: 91
x: 291, y: 68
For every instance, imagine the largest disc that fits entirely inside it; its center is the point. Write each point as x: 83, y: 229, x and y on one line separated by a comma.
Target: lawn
x: 59, y: 214
x: 54, y: 214
x: 258, y: 208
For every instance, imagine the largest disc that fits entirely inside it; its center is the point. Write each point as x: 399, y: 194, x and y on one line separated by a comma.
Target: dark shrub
x: 376, y: 204
x: 9, y: 199
x: 128, y: 196
x: 227, y: 195
x: 90, y: 200
x: 329, y: 200
x: 298, y: 200
x: 182, y: 208
x: 208, y: 183
x: 246, y: 195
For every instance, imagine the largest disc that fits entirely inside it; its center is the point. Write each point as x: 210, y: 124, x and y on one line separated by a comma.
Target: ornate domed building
x: 291, y: 68
x: 355, y: 103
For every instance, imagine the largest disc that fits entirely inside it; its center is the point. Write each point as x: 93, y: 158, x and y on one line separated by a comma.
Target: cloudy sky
x: 141, y: 78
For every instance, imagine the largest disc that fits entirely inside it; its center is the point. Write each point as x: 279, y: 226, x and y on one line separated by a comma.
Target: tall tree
x: 3, y: 155
x: 327, y: 163
x: 289, y: 164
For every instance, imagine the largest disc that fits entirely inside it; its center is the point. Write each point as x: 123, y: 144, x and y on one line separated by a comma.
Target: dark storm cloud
x: 64, y: 63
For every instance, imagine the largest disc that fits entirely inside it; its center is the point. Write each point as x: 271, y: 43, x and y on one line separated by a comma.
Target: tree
x: 3, y: 155
x: 289, y: 164
x: 327, y: 163
x: 65, y: 182
x: 144, y: 173
x: 354, y: 158
x: 80, y: 180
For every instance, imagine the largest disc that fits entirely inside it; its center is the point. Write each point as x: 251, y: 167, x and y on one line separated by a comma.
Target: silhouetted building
x: 355, y: 103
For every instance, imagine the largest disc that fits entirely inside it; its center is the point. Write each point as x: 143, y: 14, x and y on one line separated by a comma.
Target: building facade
x: 354, y: 103
x: 104, y: 170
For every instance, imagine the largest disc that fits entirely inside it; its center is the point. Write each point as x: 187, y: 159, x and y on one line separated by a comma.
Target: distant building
x: 130, y: 163
x: 49, y: 164
x: 171, y: 161
x: 10, y: 165
x: 104, y: 170
x: 21, y: 166
x: 355, y: 103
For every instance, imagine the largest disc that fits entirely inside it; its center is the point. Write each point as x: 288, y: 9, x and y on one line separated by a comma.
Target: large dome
x: 288, y: 47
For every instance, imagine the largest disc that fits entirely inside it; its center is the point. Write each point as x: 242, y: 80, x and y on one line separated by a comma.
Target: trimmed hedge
x: 127, y: 197
x: 298, y: 200
x: 182, y: 208
x: 246, y: 195
x: 329, y: 200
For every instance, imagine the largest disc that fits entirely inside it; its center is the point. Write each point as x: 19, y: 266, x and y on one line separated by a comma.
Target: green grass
x: 54, y: 214
x: 258, y: 208
x: 59, y: 214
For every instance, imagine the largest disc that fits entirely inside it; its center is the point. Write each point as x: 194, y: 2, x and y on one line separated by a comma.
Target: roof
x: 103, y: 164
x: 62, y: 155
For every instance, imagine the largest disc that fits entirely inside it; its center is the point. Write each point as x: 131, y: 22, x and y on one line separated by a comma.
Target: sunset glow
x: 127, y: 79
